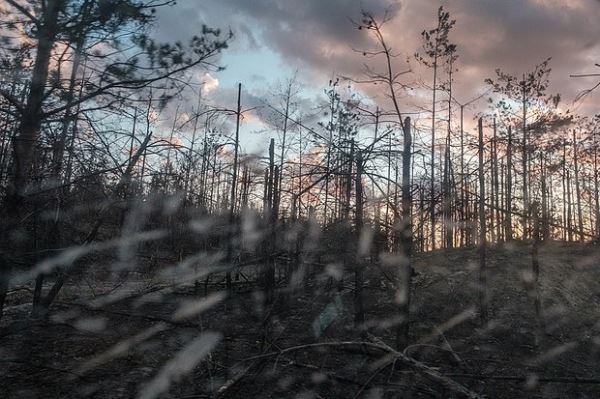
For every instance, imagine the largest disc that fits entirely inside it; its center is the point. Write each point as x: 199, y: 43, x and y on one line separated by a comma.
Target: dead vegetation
x: 306, y: 344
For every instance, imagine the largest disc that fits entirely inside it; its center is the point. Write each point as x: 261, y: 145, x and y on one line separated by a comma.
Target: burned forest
x: 299, y: 199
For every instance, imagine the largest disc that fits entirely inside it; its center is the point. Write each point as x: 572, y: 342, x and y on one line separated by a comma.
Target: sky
x: 318, y: 40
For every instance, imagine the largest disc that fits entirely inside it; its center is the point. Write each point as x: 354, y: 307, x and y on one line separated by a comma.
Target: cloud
x: 210, y: 83
x: 319, y: 38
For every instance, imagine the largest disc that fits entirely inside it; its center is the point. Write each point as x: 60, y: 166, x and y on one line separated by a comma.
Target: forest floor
x: 131, y: 339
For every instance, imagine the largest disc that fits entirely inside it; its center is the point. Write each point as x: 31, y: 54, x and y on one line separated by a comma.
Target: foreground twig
x: 235, y: 379
x: 417, y: 366
x: 561, y: 380
x: 320, y: 369
x: 371, y: 378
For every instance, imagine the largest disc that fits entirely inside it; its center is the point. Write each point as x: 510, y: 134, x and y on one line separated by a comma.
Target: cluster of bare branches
x: 102, y: 155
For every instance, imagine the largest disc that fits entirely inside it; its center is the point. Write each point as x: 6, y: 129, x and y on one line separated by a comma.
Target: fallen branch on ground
x: 234, y: 380
x: 559, y: 380
x: 329, y: 374
x: 421, y: 368
x: 394, y: 355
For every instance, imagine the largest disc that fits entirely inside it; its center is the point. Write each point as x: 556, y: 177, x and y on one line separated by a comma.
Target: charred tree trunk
x: 545, y: 216
x: 578, y: 189
x: 270, y: 217
x: 535, y: 273
x: 496, y: 184
x: 569, y: 208
x: 433, y: 114
x: 509, y: 167
x: 463, y: 188
x: 483, y: 295
x: 525, y: 165
x: 447, y: 206
x: 359, y: 312
x: 564, y: 191
x: 405, y: 253
x: 596, y: 192
x: 346, y: 222
x: 230, y: 227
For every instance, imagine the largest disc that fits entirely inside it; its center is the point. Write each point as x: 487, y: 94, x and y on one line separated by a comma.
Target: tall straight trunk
x: 245, y: 188
x: 230, y: 228
x: 349, y: 174
x: 447, y: 215
x: 349, y: 255
x: 483, y: 295
x: 596, y: 192
x: 212, y: 180
x: 338, y: 186
x: 297, y: 197
x: 462, y: 179
x: 448, y: 223
x: 432, y: 186
x: 551, y: 202
x: 422, y: 212
x: 502, y: 221
x: 204, y: 166
x: 270, y: 218
x: 283, y: 139
x: 569, y: 208
x: 509, y: 167
x: 396, y: 194
x: 204, y: 173
x: 132, y: 141
x: 405, y: 270
x: 564, y: 190
x: 491, y: 187
x: 270, y: 193
x: 328, y: 161
x: 454, y: 216
x: 496, y: 183
x: 590, y: 218
x: 359, y: 312
x: 535, y: 271
x: 469, y: 239
x: 266, y: 193
x: 276, y: 202
x: 578, y: 189
x: 389, y: 182
x: 545, y: 223
x: 300, y: 177
x: 525, y: 166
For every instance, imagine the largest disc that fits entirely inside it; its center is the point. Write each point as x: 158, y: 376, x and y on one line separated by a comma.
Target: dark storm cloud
x: 315, y: 33
x: 318, y: 36
x: 515, y: 35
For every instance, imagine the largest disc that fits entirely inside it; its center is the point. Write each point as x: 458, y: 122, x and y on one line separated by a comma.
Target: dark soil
x: 50, y: 359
